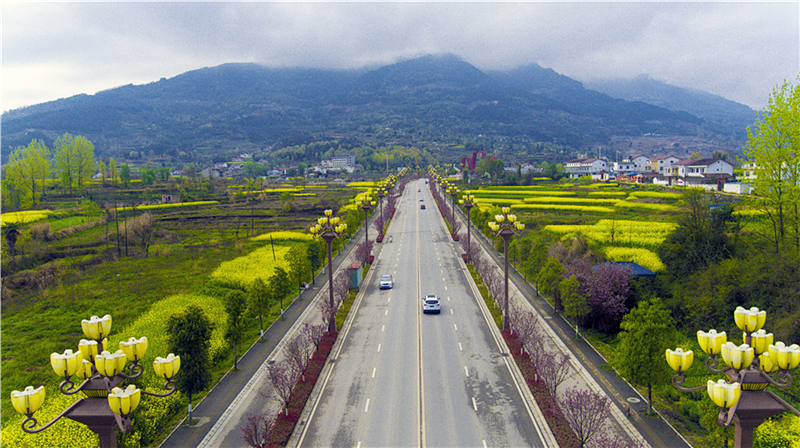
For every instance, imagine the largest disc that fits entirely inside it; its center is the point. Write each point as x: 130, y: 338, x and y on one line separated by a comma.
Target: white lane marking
x: 358, y: 445
x: 474, y: 405
x: 460, y: 347
x: 366, y: 408
x: 456, y: 327
x: 379, y: 348
x: 484, y: 444
x: 445, y: 288
x: 383, y: 327
x: 390, y: 299
x: 386, y: 313
x: 448, y: 298
x: 373, y: 371
x: 466, y: 371
x: 451, y: 311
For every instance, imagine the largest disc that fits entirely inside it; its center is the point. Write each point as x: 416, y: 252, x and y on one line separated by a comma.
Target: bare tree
x: 341, y: 287
x: 554, y: 369
x: 283, y: 375
x: 456, y: 227
x: 585, y: 411
x: 363, y: 249
x: 256, y: 431
x: 606, y: 440
x: 141, y: 230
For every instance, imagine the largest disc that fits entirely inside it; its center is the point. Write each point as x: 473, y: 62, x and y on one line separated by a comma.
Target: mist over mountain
x: 235, y: 108
x: 726, y: 115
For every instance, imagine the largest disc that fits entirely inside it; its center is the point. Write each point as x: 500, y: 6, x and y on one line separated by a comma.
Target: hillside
x: 236, y: 108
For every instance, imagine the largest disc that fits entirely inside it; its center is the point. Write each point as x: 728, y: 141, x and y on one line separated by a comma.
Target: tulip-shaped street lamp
x: 106, y: 406
x: 468, y: 201
x: 381, y: 193
x: 744, y: 400
x: 453, y: 192
x: 504, y: 226
x: 366, y: 203
x: 328, y: 228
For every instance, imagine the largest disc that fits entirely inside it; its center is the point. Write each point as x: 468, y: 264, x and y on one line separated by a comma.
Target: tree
x: 525, y: 325
x: 647, y: 332
x: 283, y: 375
x: 260, y: 300
x: 142, y: 230
x: 112, y: 168
x: 28, y: 169
x: 554, y: 369
x: 11, y: 231
x: 297, y: 257
x: 257, y: 429
x: 235, y: 306
x: 574, y: 302
x: 190, y: 338
x: 280, y: 285
x: 101, y: 167
x: 315, y: 333
x: 773, y: 146
x: 606, y: 292
x: 74, y: 157
x: 299, y: 351
x: 550, y: 276
x: 585, y: 411
x: 315, y: 256
x: 125, y: 174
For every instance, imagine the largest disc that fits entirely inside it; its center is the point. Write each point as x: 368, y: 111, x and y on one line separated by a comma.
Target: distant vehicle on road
x: 386, y: 282
x: 430, y: 304
x: 422, y: 207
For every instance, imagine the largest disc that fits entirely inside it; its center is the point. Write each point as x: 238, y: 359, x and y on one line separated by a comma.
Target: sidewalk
x: 217, y: 416
x: 587, y: 361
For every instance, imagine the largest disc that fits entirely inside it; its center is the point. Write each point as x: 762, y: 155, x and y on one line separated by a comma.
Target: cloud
x: 54, y: 50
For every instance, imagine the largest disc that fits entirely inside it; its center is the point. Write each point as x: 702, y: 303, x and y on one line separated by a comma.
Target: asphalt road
x: 404, y: 378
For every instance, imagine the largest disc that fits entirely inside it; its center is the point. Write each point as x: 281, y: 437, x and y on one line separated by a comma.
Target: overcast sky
x: 740, y: 51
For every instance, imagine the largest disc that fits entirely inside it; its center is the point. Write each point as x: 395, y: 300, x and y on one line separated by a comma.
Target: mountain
x: 235, y: 108
x: 727, y: 116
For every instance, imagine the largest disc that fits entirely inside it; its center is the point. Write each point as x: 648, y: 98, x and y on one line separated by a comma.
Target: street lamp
x: 328, y: 228
x: 366, y: 204
x: 504, y: 226
x: 381, y: 193
x: 468, y: 201
x: 453, y: 192
x: 745, y: 401
x: 106, y: 407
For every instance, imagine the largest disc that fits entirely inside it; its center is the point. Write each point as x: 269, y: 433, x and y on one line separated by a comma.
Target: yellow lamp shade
x: 765, y: 363
x: 85, y: 369
x: 90, y: 349
x: 785, y: 357
x: 679, y: 360
x: 724, y: 394
x: 328, y: 212
x: 712, y: 341
x: 760, y: 341
x: 738, y: 357
x: 749, y: 320
x: 512, y: 218
x: 506, y: 210
x: 29, y: 400
x: 96, y: 327
x: 133, y: 348
x: 109, y: 364
x: 65, y: 365
x: 499, y: 218
x: 124, y: 401
x: 167, y: 367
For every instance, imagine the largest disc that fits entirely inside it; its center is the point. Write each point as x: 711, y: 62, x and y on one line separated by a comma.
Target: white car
x: 430, y: 304
x: 386, y: 282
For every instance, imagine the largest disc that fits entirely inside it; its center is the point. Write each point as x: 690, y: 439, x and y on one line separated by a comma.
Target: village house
x: 660, y: 164
x: 585, y: 167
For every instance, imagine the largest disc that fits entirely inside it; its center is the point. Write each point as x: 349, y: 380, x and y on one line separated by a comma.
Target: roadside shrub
x: 41, y: 231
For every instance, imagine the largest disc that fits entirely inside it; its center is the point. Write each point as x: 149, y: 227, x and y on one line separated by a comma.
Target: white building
x: 700, y: 168
x: 585, y: 167
x: 660, y: 164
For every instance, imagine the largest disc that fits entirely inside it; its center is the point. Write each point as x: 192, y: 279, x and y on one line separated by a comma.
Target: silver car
x: 386, y: 282
x: 430, y: 304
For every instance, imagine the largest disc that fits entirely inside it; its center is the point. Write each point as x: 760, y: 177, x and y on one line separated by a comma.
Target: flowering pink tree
x: 299, y: 351
x: 283, y: 375
x: 315, y: 333
x: 525, y: 324
x: 363, y: 249
x: 585, y: 411
x: 606, y: 291
x: 256, y: 431
x: 341, y: 287
x: 554, y: 369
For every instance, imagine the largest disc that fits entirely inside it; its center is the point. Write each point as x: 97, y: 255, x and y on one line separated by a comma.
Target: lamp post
x: 744, y: 401
x: 328, y: 228
x: 453, y: 192
x: 106, y: 407
x: 468, y: 201
x: 366, y: 204
x: 381, y: 193
x: 504, y: 226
